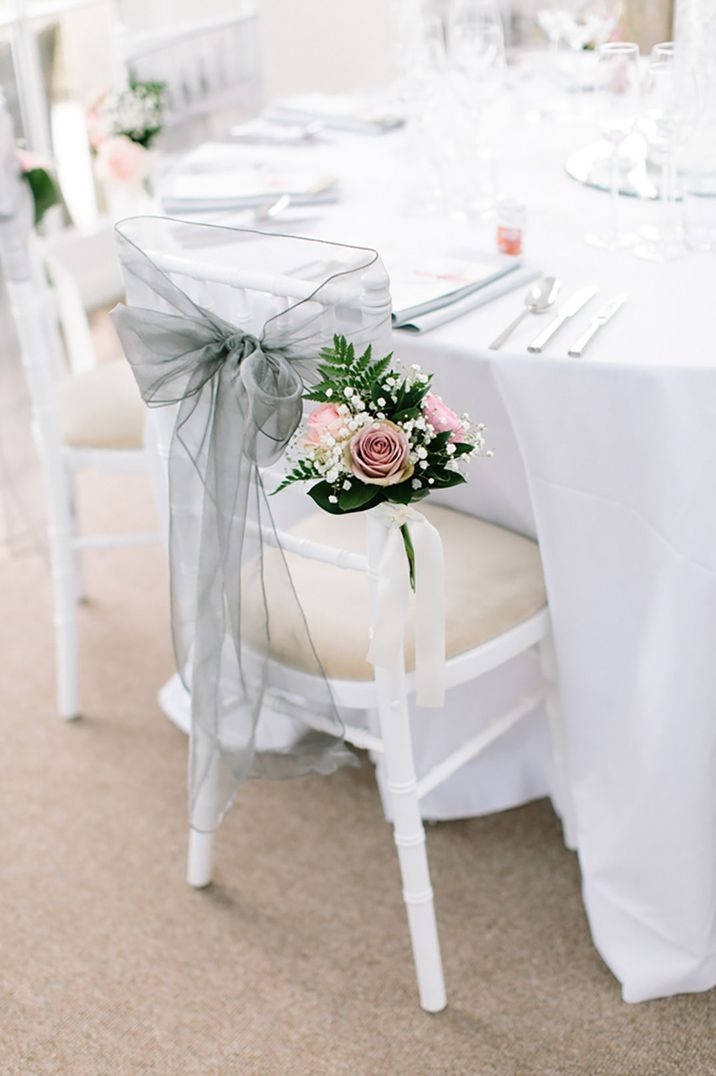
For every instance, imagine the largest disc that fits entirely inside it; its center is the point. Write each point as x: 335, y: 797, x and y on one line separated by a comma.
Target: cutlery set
x: 541, y: 296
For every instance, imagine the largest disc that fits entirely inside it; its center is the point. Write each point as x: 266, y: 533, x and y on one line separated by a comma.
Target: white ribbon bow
x: 393, y: 598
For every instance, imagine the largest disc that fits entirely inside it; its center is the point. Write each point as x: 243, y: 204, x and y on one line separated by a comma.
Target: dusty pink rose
x: 378, y: 454
x: 119, y: 160
x: 98, y: 129
x: 442, y: 418
x: 324, y: 419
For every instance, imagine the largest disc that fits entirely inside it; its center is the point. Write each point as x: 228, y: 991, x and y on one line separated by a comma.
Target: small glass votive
x: 511, y: 214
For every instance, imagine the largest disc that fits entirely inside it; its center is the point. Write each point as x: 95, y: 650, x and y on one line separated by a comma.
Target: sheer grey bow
x: 239, y: 400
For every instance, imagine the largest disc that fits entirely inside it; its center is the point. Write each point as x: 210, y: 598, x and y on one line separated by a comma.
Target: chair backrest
x: 32, y: 305
x: 246, y: 296
x: 208, y: 66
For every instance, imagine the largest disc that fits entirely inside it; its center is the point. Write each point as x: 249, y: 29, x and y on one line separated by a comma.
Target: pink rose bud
x: 29, y: 161
x: 324, y: 419
x: 378, y: 454
x: 442, y: 418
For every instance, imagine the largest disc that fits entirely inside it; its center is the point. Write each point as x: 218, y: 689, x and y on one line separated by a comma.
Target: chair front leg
x: 409, y: 836
x: 64, y: 586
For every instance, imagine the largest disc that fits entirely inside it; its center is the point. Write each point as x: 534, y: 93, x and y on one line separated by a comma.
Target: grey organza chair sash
x: 238, y: 400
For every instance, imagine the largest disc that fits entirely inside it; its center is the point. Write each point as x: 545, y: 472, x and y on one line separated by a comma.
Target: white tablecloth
x: 609, y: 460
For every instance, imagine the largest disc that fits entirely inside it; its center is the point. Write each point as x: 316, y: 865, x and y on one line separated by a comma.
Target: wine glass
x: 476, y: 57
x: 617, y: 105
x: 579, y: 24
x: 476, y: 43
x: 668, y: 105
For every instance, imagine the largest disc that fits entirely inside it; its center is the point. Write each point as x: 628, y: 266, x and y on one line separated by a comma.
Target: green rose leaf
x: 359, y: 496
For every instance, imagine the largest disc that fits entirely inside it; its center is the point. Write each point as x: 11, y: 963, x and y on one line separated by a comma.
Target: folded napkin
x: 340, y: 113
x: 219, y: 176
x: 501, y: 286
x: 262, y: 132
x: 419, y: 289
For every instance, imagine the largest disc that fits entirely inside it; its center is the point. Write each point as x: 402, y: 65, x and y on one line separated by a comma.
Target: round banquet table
x: 609, y: 461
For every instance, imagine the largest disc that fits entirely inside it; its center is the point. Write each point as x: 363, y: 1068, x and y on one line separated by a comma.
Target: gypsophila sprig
x: 135, y: 113
x: 378, y: 434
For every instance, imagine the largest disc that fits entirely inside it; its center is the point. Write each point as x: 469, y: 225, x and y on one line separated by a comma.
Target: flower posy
x: 378, y: 434
x: 136, y: 114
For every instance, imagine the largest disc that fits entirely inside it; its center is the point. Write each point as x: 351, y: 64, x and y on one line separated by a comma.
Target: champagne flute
x: 668, y: 102
x: 617, y: 104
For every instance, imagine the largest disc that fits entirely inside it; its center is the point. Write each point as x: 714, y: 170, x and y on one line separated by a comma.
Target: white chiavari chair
x: 85, y: 417
x: 495, y: 600
x: 210, y: 68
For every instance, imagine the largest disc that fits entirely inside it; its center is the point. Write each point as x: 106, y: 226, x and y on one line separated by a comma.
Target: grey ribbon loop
x: 238, y: 399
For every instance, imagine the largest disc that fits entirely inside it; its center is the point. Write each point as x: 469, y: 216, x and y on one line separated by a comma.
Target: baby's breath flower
x: 333, y: 499
x: 416, y: 483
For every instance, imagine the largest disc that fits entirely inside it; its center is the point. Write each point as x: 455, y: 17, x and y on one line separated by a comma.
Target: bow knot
x: 240, y: 345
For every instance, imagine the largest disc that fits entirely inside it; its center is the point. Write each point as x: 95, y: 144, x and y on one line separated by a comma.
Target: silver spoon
x: 541, y: 296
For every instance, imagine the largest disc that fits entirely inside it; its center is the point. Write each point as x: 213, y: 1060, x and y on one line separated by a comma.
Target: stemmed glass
x: 476, y: 46
x: 476, y: 58
x: 617, y: 104
x: 578, y: 23
x: 668, y: 103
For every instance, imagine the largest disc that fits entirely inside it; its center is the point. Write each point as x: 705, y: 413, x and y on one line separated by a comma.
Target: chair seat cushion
x: 493, y: 581
x: 101, y: 408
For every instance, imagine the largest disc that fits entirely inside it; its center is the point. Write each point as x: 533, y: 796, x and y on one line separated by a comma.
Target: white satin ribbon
x: 391, y: 612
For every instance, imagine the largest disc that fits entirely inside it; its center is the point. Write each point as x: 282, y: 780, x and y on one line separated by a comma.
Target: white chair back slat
x: 373, y: 302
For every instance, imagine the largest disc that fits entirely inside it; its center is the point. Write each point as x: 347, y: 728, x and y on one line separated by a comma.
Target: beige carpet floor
x: 296, y: 961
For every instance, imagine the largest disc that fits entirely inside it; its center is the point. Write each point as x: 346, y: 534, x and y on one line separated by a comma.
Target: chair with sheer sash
x: 495, y: 596
x: 84, y: 416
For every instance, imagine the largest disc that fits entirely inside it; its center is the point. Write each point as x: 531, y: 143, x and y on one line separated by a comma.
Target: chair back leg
x: 200, y: 857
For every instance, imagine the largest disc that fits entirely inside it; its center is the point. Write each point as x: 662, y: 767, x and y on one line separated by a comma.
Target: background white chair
x: 210, y: 67
x: 496, y: 610
x: 87, y: 416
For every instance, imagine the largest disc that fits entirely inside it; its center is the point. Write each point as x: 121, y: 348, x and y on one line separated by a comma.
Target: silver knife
x: 600, y: 319
x: 565, y: 312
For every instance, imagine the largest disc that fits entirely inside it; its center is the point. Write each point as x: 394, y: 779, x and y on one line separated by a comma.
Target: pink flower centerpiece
x: 378, y: 434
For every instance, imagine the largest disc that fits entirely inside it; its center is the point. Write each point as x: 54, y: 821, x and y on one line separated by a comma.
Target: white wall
x: 325, y: 45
